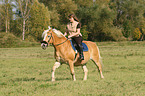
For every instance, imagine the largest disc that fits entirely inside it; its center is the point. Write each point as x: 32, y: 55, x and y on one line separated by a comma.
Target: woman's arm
x: 75, y: 34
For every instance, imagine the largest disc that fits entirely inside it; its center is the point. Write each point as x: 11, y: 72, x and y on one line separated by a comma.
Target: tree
x: 60, y: 9
x: 6, y: 14
x: 98, y: 18
x: 54, y: 15
x: 129, y: 14
x: 84, y: 3
x: 24, y: 6
x: 39, y: 20
x: 128, y: 28
x: 1, y: 18
x: 101, y: 19
x: 142, y: 27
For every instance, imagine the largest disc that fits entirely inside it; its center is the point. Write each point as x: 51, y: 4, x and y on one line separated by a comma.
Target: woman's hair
x: 75, y: 18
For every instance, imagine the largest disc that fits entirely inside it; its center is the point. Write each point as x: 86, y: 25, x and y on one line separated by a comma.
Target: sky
x: 14, y: 8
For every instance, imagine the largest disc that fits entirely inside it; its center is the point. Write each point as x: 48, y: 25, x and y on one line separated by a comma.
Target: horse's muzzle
x: 44, y: 44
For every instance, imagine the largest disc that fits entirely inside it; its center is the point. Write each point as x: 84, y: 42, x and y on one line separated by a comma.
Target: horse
x: 64, y: 53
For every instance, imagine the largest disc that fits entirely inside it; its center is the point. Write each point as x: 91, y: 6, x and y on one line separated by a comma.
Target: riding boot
x: 81, y: 52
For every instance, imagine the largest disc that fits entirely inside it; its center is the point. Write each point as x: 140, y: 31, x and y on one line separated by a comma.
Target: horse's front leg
x: 71, y: 65
x: 56, y: 65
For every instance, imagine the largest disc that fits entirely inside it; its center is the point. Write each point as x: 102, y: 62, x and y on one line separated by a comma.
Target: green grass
x: 27, y: 72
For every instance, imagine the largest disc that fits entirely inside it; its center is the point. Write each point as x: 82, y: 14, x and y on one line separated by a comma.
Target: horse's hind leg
x: 98, y: 63
x: 56, y: 65
x: 85, y: 72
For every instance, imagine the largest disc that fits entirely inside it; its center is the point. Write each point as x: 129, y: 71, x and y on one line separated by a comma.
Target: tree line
x: 101, y: 20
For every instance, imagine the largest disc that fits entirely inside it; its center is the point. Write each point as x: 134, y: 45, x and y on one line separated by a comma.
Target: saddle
x: 74, y: 46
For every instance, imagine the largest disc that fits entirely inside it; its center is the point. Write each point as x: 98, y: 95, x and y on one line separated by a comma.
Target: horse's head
x: 49, y: 35
x: 47, y: 38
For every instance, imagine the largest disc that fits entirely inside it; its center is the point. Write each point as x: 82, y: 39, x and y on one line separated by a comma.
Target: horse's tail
x: 100, y: 58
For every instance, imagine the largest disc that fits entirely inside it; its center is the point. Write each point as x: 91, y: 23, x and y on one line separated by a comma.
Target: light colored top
x: 72, y: 28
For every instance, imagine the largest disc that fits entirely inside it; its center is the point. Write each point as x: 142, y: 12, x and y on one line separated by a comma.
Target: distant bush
x: 9, y: 40
x: 136, y: 34
x: 128, y: 28
x: 110, y: 34
x: 30, y: 38
x: 116, y: 34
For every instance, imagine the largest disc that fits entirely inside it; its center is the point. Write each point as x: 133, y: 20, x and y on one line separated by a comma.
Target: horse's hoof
x: 53, y: 80
x: 102, y: 77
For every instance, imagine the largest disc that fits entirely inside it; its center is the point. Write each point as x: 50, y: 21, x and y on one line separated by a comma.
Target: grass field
x: 27, y: 72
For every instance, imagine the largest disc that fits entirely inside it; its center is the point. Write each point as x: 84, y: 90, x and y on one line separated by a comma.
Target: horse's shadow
x: 24, y: 79
x: 35, y: 79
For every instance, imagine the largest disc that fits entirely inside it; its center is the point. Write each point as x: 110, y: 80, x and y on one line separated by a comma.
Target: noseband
x: 47, y: 41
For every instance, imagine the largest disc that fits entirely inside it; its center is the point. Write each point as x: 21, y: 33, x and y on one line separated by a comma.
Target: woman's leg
x: 78, y: 41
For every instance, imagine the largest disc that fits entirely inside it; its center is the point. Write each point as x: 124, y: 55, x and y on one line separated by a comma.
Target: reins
x: 59, y: 43
x: 53, y: 40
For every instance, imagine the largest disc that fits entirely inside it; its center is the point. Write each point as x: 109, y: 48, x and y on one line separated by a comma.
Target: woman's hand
x: 69, y: 36
x: 65, y: 34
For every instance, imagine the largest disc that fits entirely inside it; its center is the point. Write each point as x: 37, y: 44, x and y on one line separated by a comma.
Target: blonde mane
x: 57, y: 32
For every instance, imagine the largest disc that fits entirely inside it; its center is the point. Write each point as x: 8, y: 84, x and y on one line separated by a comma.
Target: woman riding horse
x: 73, y: 29
x: 64, y: 53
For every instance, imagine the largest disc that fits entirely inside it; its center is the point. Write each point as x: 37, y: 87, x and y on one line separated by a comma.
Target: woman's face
x: 71, y: 19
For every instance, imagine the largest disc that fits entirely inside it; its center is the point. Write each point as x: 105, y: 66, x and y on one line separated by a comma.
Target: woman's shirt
x: 72, y: 28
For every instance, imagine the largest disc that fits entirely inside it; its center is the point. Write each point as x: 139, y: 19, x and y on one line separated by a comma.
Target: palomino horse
x: 64, y: 53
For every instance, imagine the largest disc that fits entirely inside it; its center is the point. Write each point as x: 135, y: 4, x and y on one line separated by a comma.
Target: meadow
x: 27, y: 72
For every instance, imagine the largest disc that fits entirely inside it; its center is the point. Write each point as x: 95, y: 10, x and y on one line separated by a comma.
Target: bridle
x: 53, y: 41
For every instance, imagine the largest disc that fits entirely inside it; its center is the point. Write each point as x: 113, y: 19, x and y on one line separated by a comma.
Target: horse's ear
x: 49, y: 27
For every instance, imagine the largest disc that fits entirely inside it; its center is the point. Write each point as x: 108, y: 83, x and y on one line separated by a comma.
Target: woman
x: 73, y: 29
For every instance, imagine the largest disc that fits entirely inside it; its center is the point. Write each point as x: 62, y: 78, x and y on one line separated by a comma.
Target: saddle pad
x: 85, y: 47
